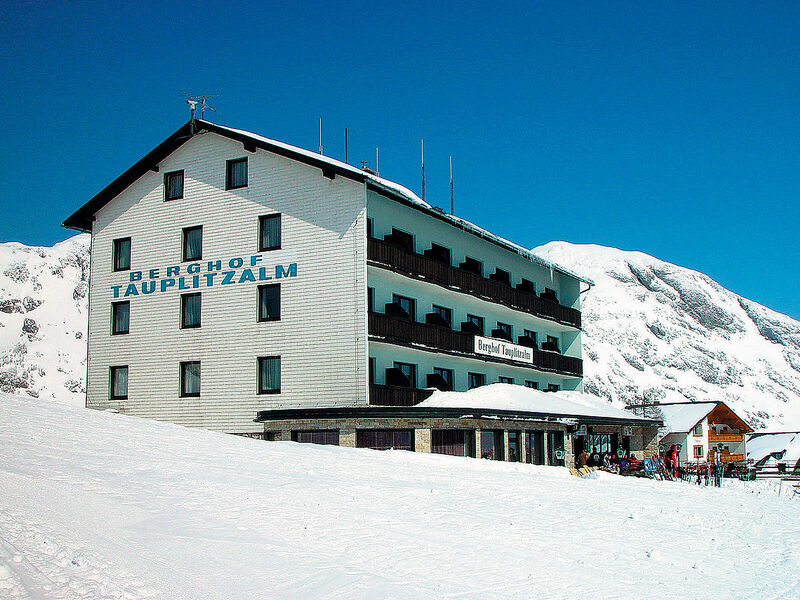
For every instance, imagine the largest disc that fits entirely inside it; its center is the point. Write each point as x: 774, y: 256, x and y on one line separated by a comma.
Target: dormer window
x: 472, y: 265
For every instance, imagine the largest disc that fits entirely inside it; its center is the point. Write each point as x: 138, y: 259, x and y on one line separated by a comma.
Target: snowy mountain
x: 657, y: 331
x: 653, y: 331
x: 43, y: 305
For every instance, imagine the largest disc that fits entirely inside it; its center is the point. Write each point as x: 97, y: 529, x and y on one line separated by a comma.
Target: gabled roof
x: 82, y: 218
x: 682, y: 417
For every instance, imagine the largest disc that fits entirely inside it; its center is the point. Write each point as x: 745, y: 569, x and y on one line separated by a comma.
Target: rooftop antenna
x: 422, y: 156
x: 320, y: 136
x: 345, y: 144
x: 451, y: 185
x: 192, y: 108
x: 193, y: 101
x: 377, y: 166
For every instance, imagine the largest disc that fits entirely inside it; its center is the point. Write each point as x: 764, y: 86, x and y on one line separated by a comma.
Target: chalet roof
x: 761, y: 445
x: 329, y: 167
x: 681, y: 417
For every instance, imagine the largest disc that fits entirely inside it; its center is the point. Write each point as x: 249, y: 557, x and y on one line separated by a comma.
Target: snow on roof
x: 760, y: 446
x: 681, y: 418
x: 413, y: 198
x: 505, y: 396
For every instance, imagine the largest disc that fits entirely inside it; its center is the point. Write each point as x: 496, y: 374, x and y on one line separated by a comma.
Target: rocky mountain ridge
x: 654, y: 331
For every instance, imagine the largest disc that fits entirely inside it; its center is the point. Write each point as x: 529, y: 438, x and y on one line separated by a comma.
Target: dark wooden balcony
x: 395, y: 395
x: 401, y: 260
x: 410, y: 333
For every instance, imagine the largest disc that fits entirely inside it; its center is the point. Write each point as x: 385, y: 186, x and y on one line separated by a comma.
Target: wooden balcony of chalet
x: 727, y: 458
x: 494, y: 288
x: 410, y: 333
x: 714, y: 437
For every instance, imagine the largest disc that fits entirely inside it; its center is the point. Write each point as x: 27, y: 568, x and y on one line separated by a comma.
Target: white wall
x: 321, y: 337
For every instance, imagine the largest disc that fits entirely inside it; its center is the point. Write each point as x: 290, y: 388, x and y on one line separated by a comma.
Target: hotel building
x: 236, y: 280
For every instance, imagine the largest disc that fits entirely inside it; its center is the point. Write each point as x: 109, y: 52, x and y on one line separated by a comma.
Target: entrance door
x: 534, y: 447
x: 555, y: 448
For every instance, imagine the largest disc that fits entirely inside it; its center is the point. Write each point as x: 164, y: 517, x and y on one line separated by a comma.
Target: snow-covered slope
x: 657, y: 331
x: 101, y: 505
x: 43, y: 303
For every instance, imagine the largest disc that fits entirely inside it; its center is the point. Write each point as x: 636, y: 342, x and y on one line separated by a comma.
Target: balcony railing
x: 731, y: 458
x: 395, y: 395
x: 724, y: 437
x: 411, y: 333
x: 446, y: 275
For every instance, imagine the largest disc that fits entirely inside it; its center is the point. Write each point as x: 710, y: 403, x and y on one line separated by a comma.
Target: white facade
x: 321, y: 334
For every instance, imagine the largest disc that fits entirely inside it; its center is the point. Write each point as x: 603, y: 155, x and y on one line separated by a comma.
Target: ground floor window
x: 698, y: 452
x: 492, y: 444
x: 385, y: 439
x: 455, y: 442
x: 325, y: 437
x: 475, y: 380
x: 119, y: 383
x: 190, y: 379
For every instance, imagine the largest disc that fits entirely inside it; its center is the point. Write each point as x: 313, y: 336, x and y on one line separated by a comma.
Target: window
x: 326, y: 437
x: 477, y: 321
x: 118, y: 383
x: 438, y: 252
x: 236, y: 174
x: 371, y: 369
x: 472, y: 265
x: 505, y: 328
x: 401, y: 239
x: 501, y: 275
x: 269, y: 375
x: 120, y: 317
x: 269, y: 302
x: 193, y: 243
x: 445, y: 313
x: 269, y: 232
x: 530, y: 334
x: 475, y: 380
x: 190, y: 310
x: 122, y: 254
x: 553, y: 387
x: 526, y: 285
x: 407, y: 304
x: 446, y: 374
x: 370, y: 226
x: 410, y: 371
x: 385, y: 439
x: 505, y: 380
x: 173, y: 185
x: 370, y: 299
x: 698, y: 430
x: 190, y: 379
x: 698, y: 452
x: 549, y: 294
x: 532, y: 384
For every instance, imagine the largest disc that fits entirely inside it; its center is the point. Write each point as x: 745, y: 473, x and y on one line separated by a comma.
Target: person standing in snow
x: 583, y: 459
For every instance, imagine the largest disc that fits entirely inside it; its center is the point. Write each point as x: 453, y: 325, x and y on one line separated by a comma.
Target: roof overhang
x: 416, y: 412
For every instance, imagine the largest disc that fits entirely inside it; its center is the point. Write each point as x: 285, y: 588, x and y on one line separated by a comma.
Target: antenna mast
x: 320, y: 136
x: 345, y: 144
x: 451, y: 185
x: 377, y: 165
x: 193, y: 101
x: 422, y: 156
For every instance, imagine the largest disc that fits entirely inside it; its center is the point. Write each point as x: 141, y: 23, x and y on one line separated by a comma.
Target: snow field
x: 101, y: 505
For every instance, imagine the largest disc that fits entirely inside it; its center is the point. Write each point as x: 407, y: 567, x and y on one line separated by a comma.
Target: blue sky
x: 673, y: 129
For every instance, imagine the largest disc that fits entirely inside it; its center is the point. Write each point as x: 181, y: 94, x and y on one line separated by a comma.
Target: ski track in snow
x: 99, y: 505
